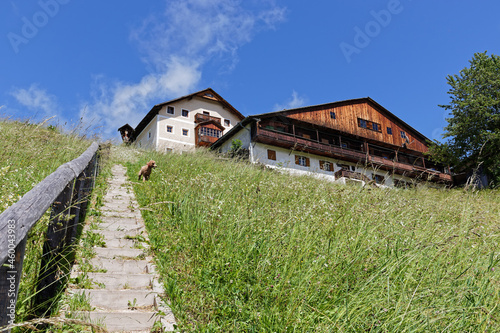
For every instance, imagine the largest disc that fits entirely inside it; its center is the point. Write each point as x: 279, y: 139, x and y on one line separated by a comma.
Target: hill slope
x: 241, y: 248
x: 28, y: 154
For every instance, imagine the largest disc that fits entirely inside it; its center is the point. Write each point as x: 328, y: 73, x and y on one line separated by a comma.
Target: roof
x: 125, y: 127
x: 155, y: 109
x: 379, y: 107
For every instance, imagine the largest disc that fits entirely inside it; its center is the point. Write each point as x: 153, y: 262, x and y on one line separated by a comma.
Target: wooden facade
x: 358, y: 131
x: 346, y: 116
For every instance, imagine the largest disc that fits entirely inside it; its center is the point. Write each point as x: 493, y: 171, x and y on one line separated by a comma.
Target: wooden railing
x: 200, y: 118
x: 65, y: 192
x: 206, y: 140
x: 351, y: 175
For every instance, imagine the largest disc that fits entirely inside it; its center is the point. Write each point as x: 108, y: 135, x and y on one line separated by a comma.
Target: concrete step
x: 134, y: 321
x: 121, y: 227
x: 120, y: 220
x: 135, y: 214
x: 114, y: 234
x: 118, y: 253
x: 121, y: 266
x: 113, y: 281
x: 120, y: 299
x: 120, y: 243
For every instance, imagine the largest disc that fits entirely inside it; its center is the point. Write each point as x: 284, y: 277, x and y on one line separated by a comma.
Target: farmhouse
x: 181, y: 124
x: 355, y: 140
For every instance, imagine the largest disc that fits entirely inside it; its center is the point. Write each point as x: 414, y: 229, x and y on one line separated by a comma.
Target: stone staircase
x: 125, y: 296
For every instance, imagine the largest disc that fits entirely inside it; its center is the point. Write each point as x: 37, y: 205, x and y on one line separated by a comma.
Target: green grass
x: 30, y: 153
x: 245, y: 249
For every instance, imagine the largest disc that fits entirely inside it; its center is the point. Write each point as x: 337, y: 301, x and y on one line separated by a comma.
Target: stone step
x: 120, y: 220
x: 120, y: 243
x: 114, y: 234
x: 120, y: 299
x: 118, y: 253
x: 134, y: 321
x: 121, y: 227
x: 113, y: 281
x: 135, y: 214
x: 121, y: 266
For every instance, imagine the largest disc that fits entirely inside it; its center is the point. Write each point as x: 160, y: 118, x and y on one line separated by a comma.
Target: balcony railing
x: 351, y: 175
x: 206, y: 140
x: 201, y: 118
x: 288, y: 140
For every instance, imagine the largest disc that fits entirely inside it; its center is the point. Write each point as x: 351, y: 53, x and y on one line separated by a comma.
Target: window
x: 369, y: 125
x: 332, y: 115
x: 149, y: 135
x: 170, y: 109
x: 389, y: 130
x: 170, y: 129
x: 185, y: 113
x: 185, y: 132
x: 168, y: 150
x: 271, y: 154
x: 326, y: 166
x: 378, y: 179
x: 302, y: 161
x: 400, y: 183
x: 345, y: 145
x: 227, y: 122
x: 206, y: 131
x: 206, y: 113
x: 345, y: 167
x: 403, y: 134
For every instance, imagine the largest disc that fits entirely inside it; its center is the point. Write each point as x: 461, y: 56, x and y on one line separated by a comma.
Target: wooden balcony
x: 201, y: 118
x: 289, y: 141
x: 205, y: 140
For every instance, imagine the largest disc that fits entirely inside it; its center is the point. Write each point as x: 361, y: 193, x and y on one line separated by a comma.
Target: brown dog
x: 145, y: 171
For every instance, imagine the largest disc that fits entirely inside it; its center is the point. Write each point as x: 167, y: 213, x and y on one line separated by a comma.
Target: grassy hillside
x: 28, y: 154
x: 244, y: 249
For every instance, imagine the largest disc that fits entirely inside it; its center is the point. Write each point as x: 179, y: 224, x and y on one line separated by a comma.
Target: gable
x: 362, y: 118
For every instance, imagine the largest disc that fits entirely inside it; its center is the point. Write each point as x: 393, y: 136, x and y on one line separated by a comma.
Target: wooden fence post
x: 49, y: 278
x: 16, y: 221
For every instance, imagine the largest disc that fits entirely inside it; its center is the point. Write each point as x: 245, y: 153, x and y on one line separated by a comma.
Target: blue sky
x: 109, y: 62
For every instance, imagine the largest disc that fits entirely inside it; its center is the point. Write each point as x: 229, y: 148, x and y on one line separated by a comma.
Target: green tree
x: 473, y: 130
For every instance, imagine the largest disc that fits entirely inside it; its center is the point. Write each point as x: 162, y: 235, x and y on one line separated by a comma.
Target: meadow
x: 244, y: 249
x: 241, y: 248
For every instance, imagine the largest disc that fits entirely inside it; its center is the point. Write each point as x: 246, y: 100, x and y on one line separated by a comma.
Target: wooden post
x: 10, y: 275
x: 17, y: 220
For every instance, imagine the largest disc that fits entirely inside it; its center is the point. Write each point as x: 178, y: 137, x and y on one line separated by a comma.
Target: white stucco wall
x: 176, y: 140
x: 243, y: 135
x: 285, y: 160
x: 147, y: 139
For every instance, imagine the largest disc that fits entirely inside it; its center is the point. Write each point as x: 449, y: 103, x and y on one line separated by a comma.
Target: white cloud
x: 177, y: 44
x: 295, y: 101
x: 38, y: 100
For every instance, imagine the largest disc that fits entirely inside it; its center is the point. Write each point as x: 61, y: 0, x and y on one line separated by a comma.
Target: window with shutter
x: 271, y: 154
